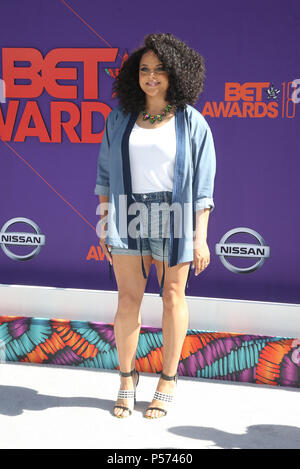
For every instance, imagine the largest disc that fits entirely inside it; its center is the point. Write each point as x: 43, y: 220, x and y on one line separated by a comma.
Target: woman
x: 156, y: 149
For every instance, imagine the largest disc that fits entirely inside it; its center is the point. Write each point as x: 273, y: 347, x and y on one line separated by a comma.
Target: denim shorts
x: 154, y: 226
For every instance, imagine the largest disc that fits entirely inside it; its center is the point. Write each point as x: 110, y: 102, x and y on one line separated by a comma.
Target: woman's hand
x: 105, y: 247
x: 201, y: 257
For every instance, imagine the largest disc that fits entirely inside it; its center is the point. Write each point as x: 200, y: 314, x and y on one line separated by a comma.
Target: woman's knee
x: 172, y: 297
x: 129, y: 301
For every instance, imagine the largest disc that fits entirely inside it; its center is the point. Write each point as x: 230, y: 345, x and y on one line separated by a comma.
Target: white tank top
x: 152, y: 158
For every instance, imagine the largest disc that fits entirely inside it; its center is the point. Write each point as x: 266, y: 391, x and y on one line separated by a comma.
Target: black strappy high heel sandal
x: 162, y: 396
x: 129, y: 394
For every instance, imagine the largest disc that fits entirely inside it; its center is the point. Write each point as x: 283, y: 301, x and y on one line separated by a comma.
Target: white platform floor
x: 44, y: 406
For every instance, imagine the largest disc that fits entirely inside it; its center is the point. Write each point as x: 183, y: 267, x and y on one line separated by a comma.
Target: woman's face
x: 153, y: 79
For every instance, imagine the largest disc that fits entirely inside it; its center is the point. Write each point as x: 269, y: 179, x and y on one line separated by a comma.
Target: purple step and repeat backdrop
x: 57, y: 64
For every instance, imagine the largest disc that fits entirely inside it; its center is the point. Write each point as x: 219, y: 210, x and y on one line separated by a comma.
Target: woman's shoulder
x: 117, y: 113
x: 197, y: 121
x: 195, y: 116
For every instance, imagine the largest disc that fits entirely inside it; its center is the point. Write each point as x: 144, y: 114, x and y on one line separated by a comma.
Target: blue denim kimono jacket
x: 194, y: 174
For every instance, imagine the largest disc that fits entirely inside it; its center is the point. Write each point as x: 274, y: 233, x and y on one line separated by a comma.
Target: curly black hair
x: 185, y: 68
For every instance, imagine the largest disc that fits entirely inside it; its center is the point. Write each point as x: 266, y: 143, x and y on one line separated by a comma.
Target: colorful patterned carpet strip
x: 215, y: 355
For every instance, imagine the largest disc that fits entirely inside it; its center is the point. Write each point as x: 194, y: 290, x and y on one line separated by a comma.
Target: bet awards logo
x: 17, y: 238
x: 260, y: 251
x: 255, y: 100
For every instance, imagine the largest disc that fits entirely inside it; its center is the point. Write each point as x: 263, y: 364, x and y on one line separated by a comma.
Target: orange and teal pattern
x: 215, y: 355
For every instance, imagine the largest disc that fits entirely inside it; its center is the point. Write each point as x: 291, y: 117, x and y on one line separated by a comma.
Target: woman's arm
x: 104, y: 199
x: 201, y: 250
x: 204, y: 158
x: 200, y: 234
x: 102, y: 188
x: 102, y: 180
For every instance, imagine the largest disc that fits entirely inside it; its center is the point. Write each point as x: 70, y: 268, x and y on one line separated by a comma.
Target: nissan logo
x: 260, y: 251
x: 9, y: 238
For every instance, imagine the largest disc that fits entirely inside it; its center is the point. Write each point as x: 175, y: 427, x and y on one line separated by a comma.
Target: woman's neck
x: 155, y: 105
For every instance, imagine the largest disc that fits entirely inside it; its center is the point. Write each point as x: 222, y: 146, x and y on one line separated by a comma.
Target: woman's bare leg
x: 174, y: 325
x: 127, y: 323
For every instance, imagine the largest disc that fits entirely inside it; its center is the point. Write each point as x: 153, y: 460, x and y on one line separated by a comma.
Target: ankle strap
x: 168, y: 378
x: 126, y: 374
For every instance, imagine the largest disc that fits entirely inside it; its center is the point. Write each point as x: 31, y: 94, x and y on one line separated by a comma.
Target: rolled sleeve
x: 101, y: 190
x: 204, y: 171
x: 203, y: 203
x: 102, y: 180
